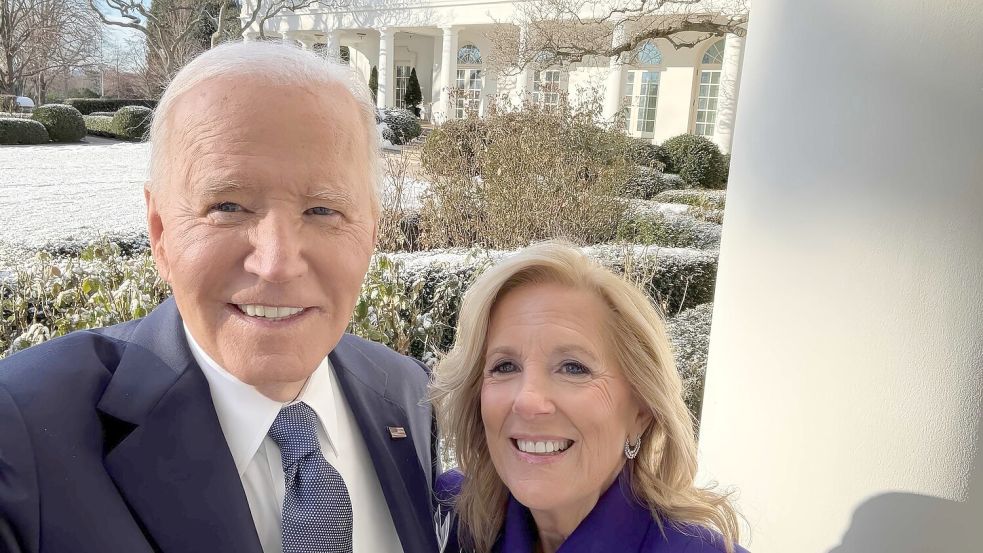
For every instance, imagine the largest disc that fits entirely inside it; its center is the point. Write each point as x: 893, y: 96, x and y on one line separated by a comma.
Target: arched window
x: 715, y: 53
x: 469, y: 54
x: 647, y: 54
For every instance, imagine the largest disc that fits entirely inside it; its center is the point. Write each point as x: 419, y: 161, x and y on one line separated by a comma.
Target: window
x: 402, y: 80
x: 469, y: 84
x: 546, y: 88
x: 642, y: 96
x: 648, y: 54
x: 469, y: 54
x: 706, y: 107
x: 714, y: 54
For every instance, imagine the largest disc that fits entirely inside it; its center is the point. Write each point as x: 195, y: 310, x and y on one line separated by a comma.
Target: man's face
x: 264, y: 227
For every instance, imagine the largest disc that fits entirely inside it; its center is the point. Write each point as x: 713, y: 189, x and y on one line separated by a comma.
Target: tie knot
x: 295, y: 432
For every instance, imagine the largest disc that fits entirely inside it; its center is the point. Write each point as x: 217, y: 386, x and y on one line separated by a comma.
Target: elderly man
x: 237, y: 416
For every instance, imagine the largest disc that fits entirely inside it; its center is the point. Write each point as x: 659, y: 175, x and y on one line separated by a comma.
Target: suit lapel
x: 173, y: 467
x: 396, y: 461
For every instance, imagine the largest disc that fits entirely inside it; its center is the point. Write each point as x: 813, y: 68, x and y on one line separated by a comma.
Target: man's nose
x: 534, y: 397
x: 277, y: 250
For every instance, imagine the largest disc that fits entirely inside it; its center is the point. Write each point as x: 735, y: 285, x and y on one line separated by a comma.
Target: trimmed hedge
x: 696, y: 159
x: 104, y: 113
x: 669, y: 230
x: 689, y: 333
x: 99, y: 125
x: 132, y: 122
x: 404, y: 125
x: 64, y: 123
x: 8, y: 115
x: 89, y: 105
x: 699, y: 197
x: 646, y: 182
x: 22, y: 131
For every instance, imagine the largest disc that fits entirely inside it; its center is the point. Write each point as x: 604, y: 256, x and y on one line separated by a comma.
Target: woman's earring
x: 631, y: 449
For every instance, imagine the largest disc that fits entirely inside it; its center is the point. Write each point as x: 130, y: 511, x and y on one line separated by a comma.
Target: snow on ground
x: 72, y: 193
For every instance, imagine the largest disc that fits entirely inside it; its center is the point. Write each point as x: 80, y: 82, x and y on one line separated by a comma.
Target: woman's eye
x: 575, y: 368
x: 226, y: 207
x: 504, y: 367
x: 321, y: 211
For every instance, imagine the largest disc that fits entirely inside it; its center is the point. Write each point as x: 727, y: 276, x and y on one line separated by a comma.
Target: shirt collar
x: 246, y: 415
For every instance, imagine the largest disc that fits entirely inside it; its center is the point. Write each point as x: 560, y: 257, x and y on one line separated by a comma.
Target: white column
x: 333, y: 46
x: 843, y: 394
x: 448, y: 71
x: 386, y: 51
x: 616, y: 76
x: 522, y: 79
x: 730, y: 84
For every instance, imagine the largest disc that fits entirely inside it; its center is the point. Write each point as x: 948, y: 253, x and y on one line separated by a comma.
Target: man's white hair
x: 274, y: 62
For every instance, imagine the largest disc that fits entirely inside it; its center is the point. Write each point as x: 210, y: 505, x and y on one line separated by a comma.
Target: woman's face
x: 555, y: 405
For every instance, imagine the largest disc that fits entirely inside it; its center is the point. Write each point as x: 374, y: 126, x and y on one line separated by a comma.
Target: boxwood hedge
x: 89, y: 105
x: 63, y: 122
x: 22, y: 131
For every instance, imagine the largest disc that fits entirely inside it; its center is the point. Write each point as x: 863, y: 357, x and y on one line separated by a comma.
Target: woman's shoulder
x: 448, y: 486
x: 686, y: 538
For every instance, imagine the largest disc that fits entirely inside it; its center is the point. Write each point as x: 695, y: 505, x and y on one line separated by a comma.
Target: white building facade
x: 662, y: 91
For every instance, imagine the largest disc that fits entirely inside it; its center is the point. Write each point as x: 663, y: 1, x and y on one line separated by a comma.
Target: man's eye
x: 321, y: 211
x: 226, y: 207
x: 575, y: 368
x: 504, y: 367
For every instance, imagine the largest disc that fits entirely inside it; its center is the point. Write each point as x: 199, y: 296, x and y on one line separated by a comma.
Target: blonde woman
x: 564, y: 408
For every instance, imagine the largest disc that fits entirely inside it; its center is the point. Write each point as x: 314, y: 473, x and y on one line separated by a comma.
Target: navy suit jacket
x: 617, y: 522
x: 109, y: 442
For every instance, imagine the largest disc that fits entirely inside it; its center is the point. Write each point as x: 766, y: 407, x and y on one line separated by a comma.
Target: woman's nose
x: 533, y: 398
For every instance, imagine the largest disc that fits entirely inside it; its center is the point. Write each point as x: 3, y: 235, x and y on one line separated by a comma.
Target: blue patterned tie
x: 317, y: 511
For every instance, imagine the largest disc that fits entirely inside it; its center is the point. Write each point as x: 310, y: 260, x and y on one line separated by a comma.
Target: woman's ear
x: 643, y: 419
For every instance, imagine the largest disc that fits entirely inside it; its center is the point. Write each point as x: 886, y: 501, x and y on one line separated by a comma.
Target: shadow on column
x: 914, y: 523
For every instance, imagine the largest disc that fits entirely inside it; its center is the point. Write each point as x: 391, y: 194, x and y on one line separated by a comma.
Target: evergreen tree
x: 374, y: 82
x: 413, y: 95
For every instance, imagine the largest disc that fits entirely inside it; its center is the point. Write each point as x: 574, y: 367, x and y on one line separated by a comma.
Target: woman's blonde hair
x: 662, y: 476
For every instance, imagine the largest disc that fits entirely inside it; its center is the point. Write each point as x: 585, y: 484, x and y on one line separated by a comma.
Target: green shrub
x: 8, y: 102
x: 645, y: 182
x: 132, y: 122
x: 403, y: 124
x: 724, y: 168
x: 103, y: 113
x: 696, y: 159
x: 22, y: 131
x: 99, y: 125
x: 64, y: 123
x: 519, y: 176
x: 641, y: 151
x: 413, y: 95
x: 14, y: 115
x: 698, y: 197
x: 87, y: 106
x: 669, y: 230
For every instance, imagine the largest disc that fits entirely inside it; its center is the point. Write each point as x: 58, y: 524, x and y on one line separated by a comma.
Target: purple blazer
x: 617, y: 523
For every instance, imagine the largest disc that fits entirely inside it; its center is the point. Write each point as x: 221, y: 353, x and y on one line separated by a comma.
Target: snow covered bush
x: 99, y: 125
x: 132, y: 122
x: 641, y: 151
x: 645, y: 182
x: 689, y: 333
x: 22, y: 131
x: 63, y: 123
x: 403, y: 124
x: 669, y: 230
x: 696, y: 159
x: 711, y: 199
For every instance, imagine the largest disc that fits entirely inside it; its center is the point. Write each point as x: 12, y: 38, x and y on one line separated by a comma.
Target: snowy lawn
x: 72, y: 193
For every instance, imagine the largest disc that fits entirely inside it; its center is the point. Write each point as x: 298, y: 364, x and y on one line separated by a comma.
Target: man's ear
x: 155, y: 228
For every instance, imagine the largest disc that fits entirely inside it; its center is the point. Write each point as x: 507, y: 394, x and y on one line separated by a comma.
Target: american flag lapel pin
x: 397, y: 432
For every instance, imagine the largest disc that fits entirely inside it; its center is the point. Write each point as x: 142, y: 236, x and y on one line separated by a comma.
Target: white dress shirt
x: 246, y: 415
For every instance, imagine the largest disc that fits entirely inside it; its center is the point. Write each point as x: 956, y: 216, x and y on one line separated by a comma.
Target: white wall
x: 844, y: 388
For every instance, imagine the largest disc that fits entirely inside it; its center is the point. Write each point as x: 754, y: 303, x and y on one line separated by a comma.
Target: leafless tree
x: 261, y: 11
x: 172, y: 29
x: 557, y: 32
x: 39, y: 38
